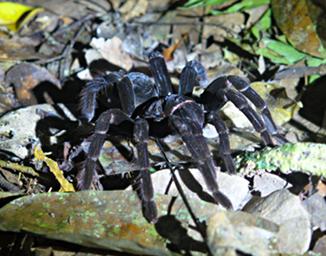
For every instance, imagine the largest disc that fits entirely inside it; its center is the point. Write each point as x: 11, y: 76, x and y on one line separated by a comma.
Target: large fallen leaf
x: 299, y: 157
x: 24, y: 77
x: 316, y: 206
x: 193, y: 184
x: 103, y: 219
x: 302, y: 22
x: 278, y: 100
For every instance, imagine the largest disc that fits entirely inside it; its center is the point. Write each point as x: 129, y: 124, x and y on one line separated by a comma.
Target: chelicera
x: 154, y: 110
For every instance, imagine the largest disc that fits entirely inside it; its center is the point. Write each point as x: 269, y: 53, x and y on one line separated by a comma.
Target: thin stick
x: 18, y: 167
x: 7, y: 185
x: 197, y: 222
x: 183, y: 23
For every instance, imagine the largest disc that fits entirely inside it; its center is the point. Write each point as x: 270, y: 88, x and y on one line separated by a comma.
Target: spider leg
x: 191, y: 133
x: 91, y: 90
x: 160, y: 74
x: 102, y: 125
x: 126, y: 95
x: 244, y: 87
x: 224, y: 145
x: 145, y: 186
x: 193, y: 74
x: 241, y: 103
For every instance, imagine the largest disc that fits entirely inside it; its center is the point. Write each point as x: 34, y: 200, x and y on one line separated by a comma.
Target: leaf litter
x: 83, y: 39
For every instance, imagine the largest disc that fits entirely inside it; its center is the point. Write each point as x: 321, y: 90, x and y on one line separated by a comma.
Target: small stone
x: 241, y: 231
x: 285, y: 209
x: 316, y: 206
x: 267, y: 183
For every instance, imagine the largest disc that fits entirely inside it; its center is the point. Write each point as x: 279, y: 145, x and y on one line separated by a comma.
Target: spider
x: 154, y: 110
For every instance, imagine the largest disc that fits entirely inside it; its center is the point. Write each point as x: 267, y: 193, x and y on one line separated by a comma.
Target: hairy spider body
x: 147, y: 106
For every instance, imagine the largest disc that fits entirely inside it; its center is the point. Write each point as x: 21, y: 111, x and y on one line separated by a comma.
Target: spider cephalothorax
x: 154, y: 110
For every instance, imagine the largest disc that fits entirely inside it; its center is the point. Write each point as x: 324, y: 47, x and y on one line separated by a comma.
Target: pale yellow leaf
x: 66, y: 186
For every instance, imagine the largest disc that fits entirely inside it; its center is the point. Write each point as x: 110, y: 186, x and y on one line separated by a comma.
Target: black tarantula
x: 154, y: 110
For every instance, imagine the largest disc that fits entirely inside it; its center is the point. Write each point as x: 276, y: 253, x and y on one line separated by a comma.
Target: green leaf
x: 280, y: 52
x: 197, y: 3
x: 242, y: 6
x: 314, y: 62
x: 263, y: 24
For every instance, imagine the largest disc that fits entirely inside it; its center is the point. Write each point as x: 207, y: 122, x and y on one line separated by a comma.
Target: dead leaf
x: 111, y: 50
x: 105, y: 220
x: 134, y: 8
x: 301, y: 22
x: 66, y: 186
x: 17, y: 48
x: 168, y: 52
x: 25, y: 77
x: 321, y: 187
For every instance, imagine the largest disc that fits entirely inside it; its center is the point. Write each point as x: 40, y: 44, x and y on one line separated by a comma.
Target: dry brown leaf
x: 25, y: 77
x: 302, y: 23
x: 168, y: 52
x: 321, y: 187
x: 132, y: 9
x: 111, y: 50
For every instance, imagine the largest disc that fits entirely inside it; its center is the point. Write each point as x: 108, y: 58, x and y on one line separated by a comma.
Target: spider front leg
x: 160, y: 74
x: 145, y: 185
x: 241, y: 103
x: 90, y: 92
x: 191, y: 133
x: 220, y: 91
x: 244, y: 87
x: 102, y: 125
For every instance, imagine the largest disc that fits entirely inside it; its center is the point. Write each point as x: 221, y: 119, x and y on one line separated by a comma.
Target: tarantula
x: 154, y: 110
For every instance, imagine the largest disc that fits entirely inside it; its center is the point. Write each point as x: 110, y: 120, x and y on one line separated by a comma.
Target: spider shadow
x: 314, y: 104
x: 194, y: 186
x: 170, y: 228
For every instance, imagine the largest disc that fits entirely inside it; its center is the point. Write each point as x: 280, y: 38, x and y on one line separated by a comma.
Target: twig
x: 66, y: 50
x: 297, y: 72
x: 182, y: 23
x: 197, y: 222
x: 74, y: 24
x: 18, y: 167
x: 7, y: 185
x: 64, y: 65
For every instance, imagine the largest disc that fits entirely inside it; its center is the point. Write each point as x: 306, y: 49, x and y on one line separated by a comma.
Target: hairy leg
x: 191, y: 133
x: 102, y: 125
x: 144, y: 186
x: 224, y: 146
